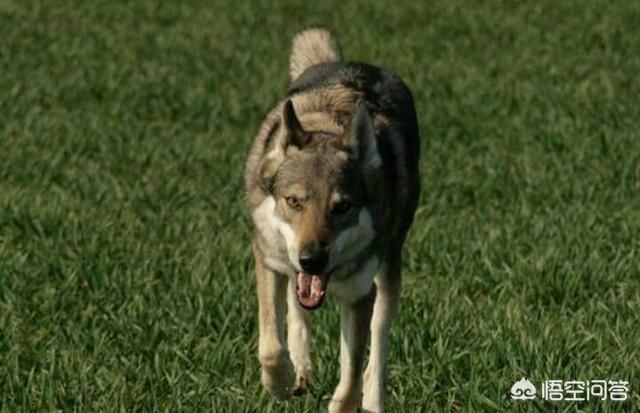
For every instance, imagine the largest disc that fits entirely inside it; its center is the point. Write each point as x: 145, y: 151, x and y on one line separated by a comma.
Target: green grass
x: 125, y: 270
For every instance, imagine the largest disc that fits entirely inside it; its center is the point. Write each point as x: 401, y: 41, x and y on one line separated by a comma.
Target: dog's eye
x: 293, y: 202
x: 341, y: 207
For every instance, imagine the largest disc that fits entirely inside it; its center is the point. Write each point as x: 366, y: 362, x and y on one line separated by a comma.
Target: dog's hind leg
x: 298, y: 338
x: 386, y: 304
x: 354, y: 326
x: 277, y: 370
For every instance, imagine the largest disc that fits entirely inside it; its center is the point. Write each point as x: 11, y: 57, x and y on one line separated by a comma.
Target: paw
x: 301, y: 387
x: 342, y: 406
x: 278, y: 375
x: 344, y: 403
x: 372, y: 408
x: 373, y: 392
x: 303, y: 377
x: 372, y: 398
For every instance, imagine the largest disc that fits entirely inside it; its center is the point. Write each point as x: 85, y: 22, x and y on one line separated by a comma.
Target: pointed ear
x: 294, y: 134
x: 362, y: 139
x: 291, y: 134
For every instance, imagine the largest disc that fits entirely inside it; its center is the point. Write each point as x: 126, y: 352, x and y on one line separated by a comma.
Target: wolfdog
x: 332, y: 185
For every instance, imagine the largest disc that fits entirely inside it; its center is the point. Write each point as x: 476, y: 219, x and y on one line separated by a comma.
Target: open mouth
x: 311, y: 289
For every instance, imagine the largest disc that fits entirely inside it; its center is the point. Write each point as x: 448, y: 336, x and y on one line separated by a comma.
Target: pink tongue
x: 310, y: 290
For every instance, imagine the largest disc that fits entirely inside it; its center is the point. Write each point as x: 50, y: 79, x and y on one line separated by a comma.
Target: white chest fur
x: 352, y: 288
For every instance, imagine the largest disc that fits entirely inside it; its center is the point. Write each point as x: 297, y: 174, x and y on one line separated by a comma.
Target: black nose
x: 313, y: 262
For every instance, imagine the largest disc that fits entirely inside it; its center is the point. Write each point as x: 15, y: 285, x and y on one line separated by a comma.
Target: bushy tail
x: 310, y: 47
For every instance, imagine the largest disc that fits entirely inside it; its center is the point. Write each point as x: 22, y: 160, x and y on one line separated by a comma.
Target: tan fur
x: 311, y: 225
x: 321, y: 122
x: 277, y: 369
x: 310, y: 47
x: 336, y: 99
x: 328, y: 110
x: 298, y: 339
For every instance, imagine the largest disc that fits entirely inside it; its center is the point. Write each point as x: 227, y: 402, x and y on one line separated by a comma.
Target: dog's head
x: 319, y: 183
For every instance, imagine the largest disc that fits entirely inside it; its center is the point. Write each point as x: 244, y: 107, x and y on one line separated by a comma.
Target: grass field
x: 126, y: 278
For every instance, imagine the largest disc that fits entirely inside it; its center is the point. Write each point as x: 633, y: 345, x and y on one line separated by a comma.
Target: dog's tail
x: 310, y: 47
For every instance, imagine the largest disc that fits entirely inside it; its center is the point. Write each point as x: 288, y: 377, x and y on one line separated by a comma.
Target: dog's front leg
x: 298, y: 337
x: 385, y: 307
x: 277, y: 370
x: 354, y: 325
